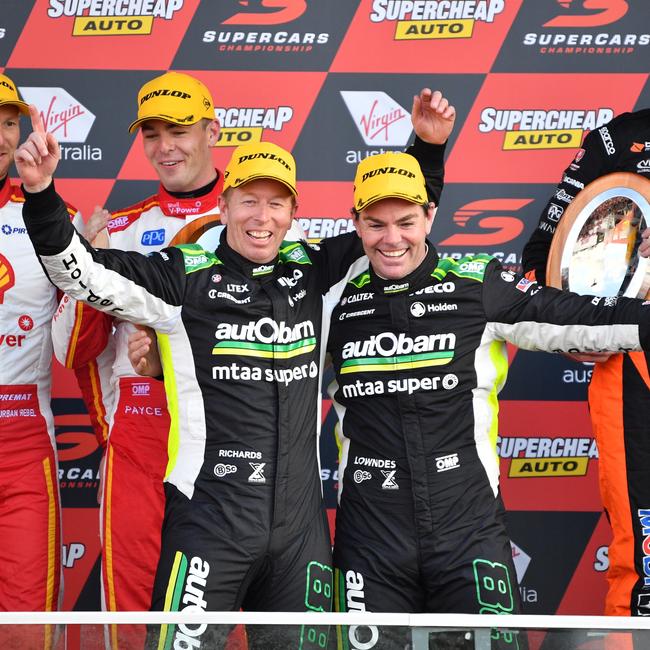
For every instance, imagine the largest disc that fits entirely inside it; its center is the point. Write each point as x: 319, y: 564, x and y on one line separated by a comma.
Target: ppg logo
x: 153, y: 237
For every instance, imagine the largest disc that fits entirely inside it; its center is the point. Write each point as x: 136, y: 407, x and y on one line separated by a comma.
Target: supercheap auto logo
x: 587, y: 27
x: 542, y: 128
x: 265, y: 13
x: 113, y: 17
x: 535, y: 457
x: 241, y: 124
x: 429, y: 19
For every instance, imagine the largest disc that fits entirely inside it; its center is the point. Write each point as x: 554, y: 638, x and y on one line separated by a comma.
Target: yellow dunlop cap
x: 388, y: 175
x: 260, y: 160
x: 9, y: 95
x: 174, y: 97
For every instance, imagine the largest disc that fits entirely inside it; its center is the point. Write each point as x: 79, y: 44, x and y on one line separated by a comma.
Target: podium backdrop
x: 333, y: 81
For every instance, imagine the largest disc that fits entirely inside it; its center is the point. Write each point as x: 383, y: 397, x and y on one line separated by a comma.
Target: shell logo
x: 7, y: 277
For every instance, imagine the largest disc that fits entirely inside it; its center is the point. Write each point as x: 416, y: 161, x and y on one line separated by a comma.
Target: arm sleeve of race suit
x: 431, y: 158
x: 143, y: 289
x: 591, y: 162
x: 543, y: 318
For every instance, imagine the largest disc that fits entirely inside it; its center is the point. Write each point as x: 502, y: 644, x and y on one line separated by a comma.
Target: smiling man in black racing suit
x: 239, y: 334
x: 418, y: 347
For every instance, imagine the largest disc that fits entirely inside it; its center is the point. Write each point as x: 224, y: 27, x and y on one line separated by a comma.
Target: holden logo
x: 216, y: 278
x: 25, y: 323
x: 418, y: 309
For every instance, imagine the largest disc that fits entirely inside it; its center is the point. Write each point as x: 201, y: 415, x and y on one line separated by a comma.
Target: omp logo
x: 113, y: 17
x: 318, y: 228
x: 63, y: 115
x: 600, y: 12
x: 188, y: 584
x: 448, y: 462
x: 240, y: 125
x: 281, y: 11
x: 265, y: 339
x: 7, y: 277
x: 141, y: 389
x: 485, y: 225
x: 361, y: 637
x: 390, y: 352
x: 381, y: 121
x: 534, y: 457
x: 542, y: 129
x: 429, y: 19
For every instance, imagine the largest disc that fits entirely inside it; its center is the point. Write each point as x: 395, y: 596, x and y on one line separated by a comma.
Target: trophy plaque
x: 595, y: 247
x: 204, y: 231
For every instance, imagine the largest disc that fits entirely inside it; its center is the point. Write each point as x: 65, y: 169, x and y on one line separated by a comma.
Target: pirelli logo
x: 538, y: 457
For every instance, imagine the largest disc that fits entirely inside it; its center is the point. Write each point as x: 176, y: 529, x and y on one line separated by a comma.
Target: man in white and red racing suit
x: 30, y: 517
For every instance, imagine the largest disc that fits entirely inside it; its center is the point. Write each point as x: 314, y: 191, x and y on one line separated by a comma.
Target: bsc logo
x: 608, y: 11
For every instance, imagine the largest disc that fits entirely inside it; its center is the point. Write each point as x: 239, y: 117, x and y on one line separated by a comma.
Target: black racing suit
x: 241, y: 349
x: 619, y: 393
x: 419, y: 363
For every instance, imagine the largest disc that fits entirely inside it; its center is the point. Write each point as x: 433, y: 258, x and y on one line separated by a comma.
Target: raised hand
x: 37, y: 158
x: 432, y: 116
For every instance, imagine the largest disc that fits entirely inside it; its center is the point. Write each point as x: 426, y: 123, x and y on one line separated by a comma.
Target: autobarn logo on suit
x: 113, y: 17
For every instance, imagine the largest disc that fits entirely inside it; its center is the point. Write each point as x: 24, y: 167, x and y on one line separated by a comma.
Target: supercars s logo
x: 378, y: 117
x: 111, y: 18
x: 600, y: 12
x: 7, y: 277
x: 489, y: 228
x: 282, y: 11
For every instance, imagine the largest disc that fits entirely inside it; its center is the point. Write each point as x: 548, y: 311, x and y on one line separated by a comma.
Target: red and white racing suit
x: 30, y: 517
x: 136, y: 452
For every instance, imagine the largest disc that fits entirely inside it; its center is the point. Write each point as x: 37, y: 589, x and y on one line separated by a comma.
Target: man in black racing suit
x: 619, y: 392
x: 418, y: 347
x: 239, y: 333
